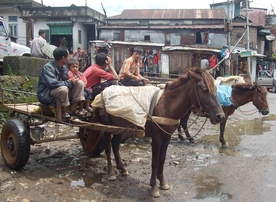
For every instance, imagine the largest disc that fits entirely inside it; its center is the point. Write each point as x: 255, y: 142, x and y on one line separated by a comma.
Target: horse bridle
x: 200, y: 106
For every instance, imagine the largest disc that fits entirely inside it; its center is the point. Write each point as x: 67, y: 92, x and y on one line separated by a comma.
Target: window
x: 13, y: 19
x: 239, y: 35
x: 144, y: 22
x: 198, y: 38
x: 147, y: 38
x: 79, y: 36
x: 116, y: 36
x: 13, y: 29
x: 13, y: 26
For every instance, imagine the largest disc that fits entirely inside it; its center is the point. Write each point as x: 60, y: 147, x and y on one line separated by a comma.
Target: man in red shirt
x: 95, y: 73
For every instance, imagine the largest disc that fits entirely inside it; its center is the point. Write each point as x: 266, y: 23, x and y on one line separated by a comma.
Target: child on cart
x: 84, y: 107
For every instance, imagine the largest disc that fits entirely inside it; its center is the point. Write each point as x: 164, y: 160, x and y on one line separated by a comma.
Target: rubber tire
x: 98, y: 144
x: 15, y: 144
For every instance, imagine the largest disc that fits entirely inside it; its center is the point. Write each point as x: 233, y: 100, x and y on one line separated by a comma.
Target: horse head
x: 206, y: 96
x: 244, y: 93
x: 260, y: 100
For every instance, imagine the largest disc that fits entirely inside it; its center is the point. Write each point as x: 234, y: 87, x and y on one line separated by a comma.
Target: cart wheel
x: 92, y: 141
x: 15, y: 144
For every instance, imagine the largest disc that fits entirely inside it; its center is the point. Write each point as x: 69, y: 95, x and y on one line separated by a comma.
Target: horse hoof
x: 126, y: 173
x: 155, y: 192
x: 191, y: 140
x: 181, y: 137
x: 224, y: 145
x: 112, y: 178
x: 164, y: 186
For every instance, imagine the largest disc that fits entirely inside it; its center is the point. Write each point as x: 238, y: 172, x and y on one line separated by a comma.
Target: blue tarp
x: 224, y: 95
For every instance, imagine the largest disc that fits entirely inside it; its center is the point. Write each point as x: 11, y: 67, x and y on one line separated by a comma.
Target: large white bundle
x: 131, y: 103
x: 229, y: 81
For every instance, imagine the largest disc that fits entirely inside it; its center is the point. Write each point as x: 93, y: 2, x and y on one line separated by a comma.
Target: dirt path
x: 196, y: 172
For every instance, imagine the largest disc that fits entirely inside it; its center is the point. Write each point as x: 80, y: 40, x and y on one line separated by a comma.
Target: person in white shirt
x: 37, y: 44
x: 204, y: 63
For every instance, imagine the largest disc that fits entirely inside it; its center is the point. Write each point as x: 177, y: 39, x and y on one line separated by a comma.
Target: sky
x: 115, y: 7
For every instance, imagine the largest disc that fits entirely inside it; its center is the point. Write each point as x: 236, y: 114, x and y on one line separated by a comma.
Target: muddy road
x: 199, y: 172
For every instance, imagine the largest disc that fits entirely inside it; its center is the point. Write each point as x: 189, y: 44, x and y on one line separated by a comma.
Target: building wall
x: 168, y: 37
x: 21, y: 27
x: 40, y: 25
x: 83, y: 45
x: 237, y: 33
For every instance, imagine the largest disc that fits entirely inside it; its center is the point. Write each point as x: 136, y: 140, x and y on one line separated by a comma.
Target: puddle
x: 86, y: 181
x: 209, y: 190
x: 258, y: 126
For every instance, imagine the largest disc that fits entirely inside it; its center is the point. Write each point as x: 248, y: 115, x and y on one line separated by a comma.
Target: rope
x: 149, y: 115
x: 246, y: 114
x: 180, y: 133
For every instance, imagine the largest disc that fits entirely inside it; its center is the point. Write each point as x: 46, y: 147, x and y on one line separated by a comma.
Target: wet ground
x: 199, y: 172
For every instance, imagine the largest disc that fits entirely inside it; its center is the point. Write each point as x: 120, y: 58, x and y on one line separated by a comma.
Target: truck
x: 267, y: 78
x: 8, y: 47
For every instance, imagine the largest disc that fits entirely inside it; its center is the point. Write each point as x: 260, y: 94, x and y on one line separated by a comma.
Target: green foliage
x: 9, y: 70
x: 19, y: 90
x: 273, y: 56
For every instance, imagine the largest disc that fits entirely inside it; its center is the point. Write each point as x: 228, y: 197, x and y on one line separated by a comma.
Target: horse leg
x: 115, y: 142
x: 184, y: 123
x: 180, y: 136
x: 156, y: 145
x: 163, y: 152
x: 221, y: 136
x: 110, y: 171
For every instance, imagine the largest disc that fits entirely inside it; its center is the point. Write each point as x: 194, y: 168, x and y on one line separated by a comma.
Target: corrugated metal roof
x: 198, y: 27
x: 171, y: 14
x: 186, y: 48
x: 136, y: 43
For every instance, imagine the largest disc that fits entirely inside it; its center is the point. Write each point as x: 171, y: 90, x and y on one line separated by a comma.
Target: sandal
x: 65, y: 115
x: 89, y: 109
x: 80, y: 113
x: 84, y: 111
x: 76, y: 113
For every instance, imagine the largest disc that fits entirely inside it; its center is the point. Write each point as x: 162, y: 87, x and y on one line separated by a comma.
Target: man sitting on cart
x: 96, y: 74
x: 54, y: 84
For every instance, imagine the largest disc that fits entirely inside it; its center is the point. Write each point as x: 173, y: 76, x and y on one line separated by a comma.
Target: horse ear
x: 193, y: 75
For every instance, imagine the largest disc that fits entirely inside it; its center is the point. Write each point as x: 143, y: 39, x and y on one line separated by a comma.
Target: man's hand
x: 137, y: 78
x: 108, y: 61
x: 75, y: 80
x: 146, y: 81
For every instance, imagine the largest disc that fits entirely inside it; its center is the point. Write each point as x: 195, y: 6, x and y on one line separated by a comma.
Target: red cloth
x: 94, y: 74
x: 213, y: 62
x: 155, y: 60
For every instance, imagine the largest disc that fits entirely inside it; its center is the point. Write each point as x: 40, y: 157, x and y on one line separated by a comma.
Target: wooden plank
x: 109, y: 128
x: 28, y: 108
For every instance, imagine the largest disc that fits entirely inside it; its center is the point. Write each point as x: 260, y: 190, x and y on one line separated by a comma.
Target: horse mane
x: 201, y: 74
x: 245, y: 86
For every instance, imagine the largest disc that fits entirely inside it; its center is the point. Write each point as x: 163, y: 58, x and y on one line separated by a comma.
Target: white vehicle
x: 9, y: 48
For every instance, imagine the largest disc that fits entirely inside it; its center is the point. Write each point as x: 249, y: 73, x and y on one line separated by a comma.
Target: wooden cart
x: 25, y: 128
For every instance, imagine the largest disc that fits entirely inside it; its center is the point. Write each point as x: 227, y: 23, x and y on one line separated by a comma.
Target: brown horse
x: 241, y: 95
x: 197, y: 88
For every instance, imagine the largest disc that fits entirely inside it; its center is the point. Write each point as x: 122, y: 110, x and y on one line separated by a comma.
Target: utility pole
x: 228, y: 24
x: 230, y: 70
x: 248, y: 42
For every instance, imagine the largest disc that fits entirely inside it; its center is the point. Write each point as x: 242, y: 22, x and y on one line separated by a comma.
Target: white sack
x: 129, y: 102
